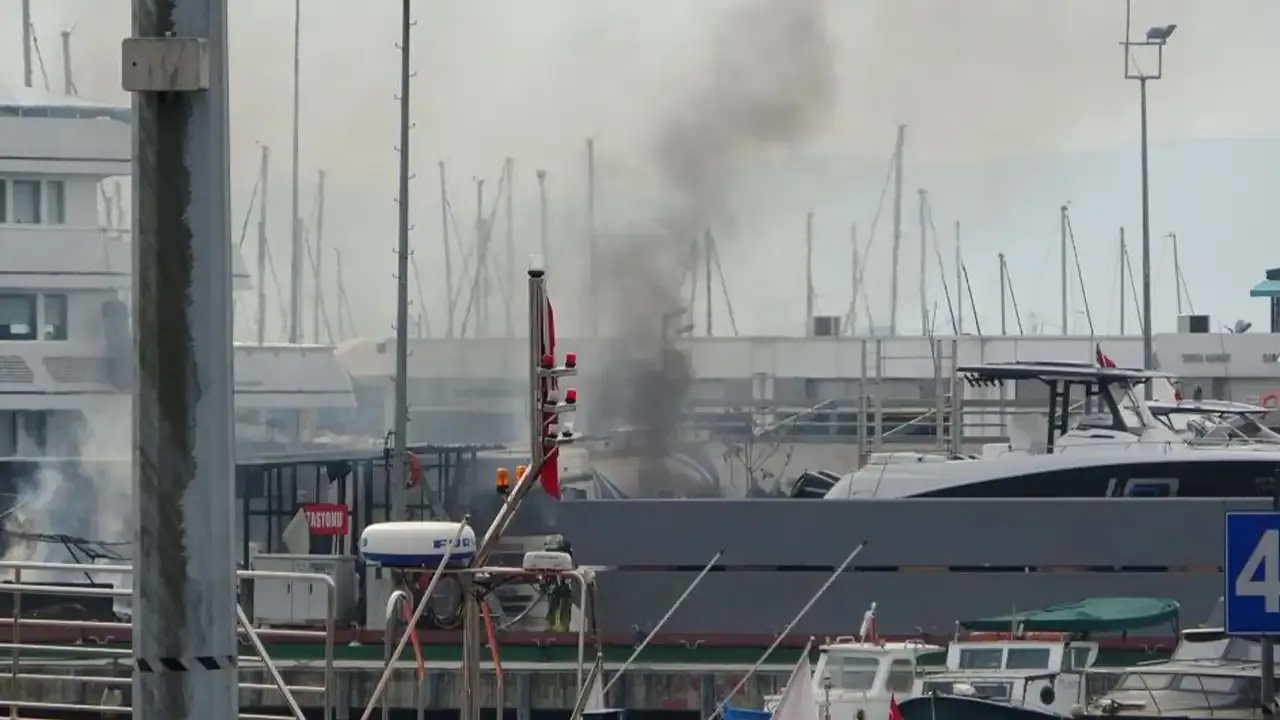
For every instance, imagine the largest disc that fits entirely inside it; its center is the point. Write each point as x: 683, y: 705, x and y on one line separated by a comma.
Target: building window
x: 55, y: 317
x: 26, y: 202
x: 17, y: 317
x: 55, y: 202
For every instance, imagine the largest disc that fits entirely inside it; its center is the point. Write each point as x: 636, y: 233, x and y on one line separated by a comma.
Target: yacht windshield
x: 1134, y: 411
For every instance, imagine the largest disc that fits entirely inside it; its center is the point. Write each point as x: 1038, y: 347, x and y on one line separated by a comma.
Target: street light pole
x: 1156, y: 38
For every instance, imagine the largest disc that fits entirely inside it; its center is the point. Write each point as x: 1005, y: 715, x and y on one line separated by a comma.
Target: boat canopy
x: 1092, y: 615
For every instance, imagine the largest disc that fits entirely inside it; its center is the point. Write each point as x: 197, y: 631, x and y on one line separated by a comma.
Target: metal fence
x: 33, y: 662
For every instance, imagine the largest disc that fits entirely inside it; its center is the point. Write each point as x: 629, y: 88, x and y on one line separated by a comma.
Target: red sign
x: 326, y: 518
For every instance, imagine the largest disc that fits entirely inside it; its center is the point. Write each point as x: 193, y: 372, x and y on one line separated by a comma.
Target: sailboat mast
x: 1062, y: 230
x: 1004, y: 294
x: 897, y: 228
x: 27, y: 41
x: 1124, y: 267
x: 317, y: 301
x: 808, y: 274
x: 921, y: 280
x: 261, y: 279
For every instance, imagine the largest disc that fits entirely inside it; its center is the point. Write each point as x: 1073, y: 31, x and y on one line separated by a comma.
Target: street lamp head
x: 1161, y: 34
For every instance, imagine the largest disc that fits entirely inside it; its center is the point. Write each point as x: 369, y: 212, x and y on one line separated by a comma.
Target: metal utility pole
x: 509, y: 274
x: 1156, y: 38
x: 542, y: 217
x: 897, y: 228
x: 924, y: 271
x: 68, y: 75
x: 400, y: 480
x: 448, y: 251
x: 261, y: 279
x: 1062, y: 233
x: 1124, y: 268
x: 184, y: 588
x: 26, y: 43
x: 808, y: 275
x: 960, y: 283
x: 593, y: 299
x: 295, y: 234
x: 317, y: 299
x: 1004, y: 293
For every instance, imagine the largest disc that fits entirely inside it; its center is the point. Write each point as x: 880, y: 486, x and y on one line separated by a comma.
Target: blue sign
x: 1252, y: 573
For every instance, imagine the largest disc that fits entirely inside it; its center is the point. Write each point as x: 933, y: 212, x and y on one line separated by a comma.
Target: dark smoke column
x: 184, y: 643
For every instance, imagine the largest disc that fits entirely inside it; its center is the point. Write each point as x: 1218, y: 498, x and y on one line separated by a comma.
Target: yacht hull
x: 950, y: 707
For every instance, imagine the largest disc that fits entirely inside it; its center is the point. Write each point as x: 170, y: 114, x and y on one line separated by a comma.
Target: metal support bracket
x: 164, y: 64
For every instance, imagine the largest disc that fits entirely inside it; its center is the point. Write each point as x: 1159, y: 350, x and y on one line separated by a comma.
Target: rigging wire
x: 973, y: 305
x: 1013, y: 296
x: 1137, y: 302
x: 1084, y: 294
x: 312, y: 218
x: 871, y: 237
x: 942, y: 269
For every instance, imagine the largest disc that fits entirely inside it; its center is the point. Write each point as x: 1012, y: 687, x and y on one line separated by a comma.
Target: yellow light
x: 520, y: 471
x: 503, y: 480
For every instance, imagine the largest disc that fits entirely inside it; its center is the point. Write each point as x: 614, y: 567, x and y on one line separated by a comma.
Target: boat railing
x: 32, y: 660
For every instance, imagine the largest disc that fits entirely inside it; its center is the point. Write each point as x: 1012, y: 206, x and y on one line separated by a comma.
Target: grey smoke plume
x: 768, y: 84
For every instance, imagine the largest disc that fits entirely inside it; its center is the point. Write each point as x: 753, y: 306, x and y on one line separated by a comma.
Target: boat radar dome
x: 417, y: 544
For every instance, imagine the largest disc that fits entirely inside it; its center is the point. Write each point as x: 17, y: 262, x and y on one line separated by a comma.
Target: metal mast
x: 897, y: 228
x: 1124, y: 268
x: 1062, y: 232
x: 448, y: 252
x: 808, y: 275
x: 184, y: 589
x: 542, y: 217
x: 509, y: 269
x: 26, y: 43
x: 317, y: 295
x: 261, y: 279
x: 402, y: 285
x: 295, y: 261
x: 593, y: 287
x: 922, y: 280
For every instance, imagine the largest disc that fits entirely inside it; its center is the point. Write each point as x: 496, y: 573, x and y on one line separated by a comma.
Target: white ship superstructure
x: 66, y: 352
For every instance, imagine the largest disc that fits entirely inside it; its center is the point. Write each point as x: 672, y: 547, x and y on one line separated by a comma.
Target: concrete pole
x: 184, y: 590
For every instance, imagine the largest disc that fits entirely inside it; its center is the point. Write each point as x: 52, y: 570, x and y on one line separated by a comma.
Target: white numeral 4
x: 1265, y: 557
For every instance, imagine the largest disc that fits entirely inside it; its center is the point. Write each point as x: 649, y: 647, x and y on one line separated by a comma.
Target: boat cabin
x: 1011, y: 667
x: 855, y: 679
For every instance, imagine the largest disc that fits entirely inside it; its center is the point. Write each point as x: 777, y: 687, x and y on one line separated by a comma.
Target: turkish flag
x: 1101, y: 357
x: 895, y: 713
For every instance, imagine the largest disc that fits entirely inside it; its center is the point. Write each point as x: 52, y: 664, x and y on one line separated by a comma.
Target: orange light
x: 503, y: 480
x: 520, y: 471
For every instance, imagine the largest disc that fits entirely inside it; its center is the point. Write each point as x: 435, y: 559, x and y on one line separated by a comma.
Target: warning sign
x: 326, y: 518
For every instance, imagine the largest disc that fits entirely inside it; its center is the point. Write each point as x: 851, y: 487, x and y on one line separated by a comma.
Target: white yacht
x: 66, y: 351
x: 1098, y: 439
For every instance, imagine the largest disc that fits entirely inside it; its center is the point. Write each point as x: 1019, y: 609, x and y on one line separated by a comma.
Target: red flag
x: 1103, y: 360
x: 895, y: 713
x: 550, y: 476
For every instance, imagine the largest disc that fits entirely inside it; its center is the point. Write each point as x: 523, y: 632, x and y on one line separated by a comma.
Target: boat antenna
x: 787, y: 629
x: 663, y: 621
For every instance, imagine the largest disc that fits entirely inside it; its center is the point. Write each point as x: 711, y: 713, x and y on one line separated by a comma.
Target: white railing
x: 80, y: 657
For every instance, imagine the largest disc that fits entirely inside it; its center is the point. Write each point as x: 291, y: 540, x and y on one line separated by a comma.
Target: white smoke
x: 89, y: 500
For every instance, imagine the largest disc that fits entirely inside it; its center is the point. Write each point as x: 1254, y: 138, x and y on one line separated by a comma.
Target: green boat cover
x: 1091, y: 615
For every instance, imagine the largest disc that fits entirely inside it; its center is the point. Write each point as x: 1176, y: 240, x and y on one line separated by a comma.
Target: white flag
x: 798, y: 701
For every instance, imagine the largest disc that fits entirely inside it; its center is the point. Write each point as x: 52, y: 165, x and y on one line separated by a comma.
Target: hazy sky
x: 982, y: 85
